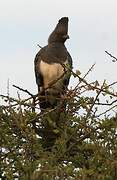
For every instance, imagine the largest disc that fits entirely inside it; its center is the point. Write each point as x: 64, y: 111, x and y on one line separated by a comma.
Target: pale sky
x: 25, y: 23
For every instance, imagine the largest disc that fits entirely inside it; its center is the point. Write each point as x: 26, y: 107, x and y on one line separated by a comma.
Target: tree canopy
x: 77, y: 143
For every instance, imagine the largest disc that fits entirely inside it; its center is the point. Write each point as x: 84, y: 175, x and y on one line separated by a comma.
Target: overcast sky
x: 25, y: 23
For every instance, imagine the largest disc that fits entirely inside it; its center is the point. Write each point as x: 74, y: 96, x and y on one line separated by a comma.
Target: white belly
x: 50, y: 72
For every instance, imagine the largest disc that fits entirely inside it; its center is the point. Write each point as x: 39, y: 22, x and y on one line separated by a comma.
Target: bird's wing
x: 68, y: 73
x: 38, y: 75
x: 69, y: 60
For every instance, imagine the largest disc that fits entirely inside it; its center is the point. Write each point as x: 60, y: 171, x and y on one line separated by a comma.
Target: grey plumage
x: 49, y: 68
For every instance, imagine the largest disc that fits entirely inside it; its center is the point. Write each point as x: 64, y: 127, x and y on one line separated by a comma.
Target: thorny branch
x: 98, y: 93
x: 90, y: 69
x: 87, y: 86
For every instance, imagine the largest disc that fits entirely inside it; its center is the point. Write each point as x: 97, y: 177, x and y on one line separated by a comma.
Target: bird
x: 52, y: 66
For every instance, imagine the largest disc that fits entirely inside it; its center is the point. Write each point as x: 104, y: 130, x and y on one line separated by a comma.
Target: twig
x: 106, y: 104
x: 89, y: 84
x: 111, y: 84
x: 111, y: 55
x: 16, y: 102
x: 98, y: 93
x: 24, y: 90
x: 39, y: 46
x: 106, y: 111
x: 85, y: 75
x: 42, y: 114
x: 89, y: 70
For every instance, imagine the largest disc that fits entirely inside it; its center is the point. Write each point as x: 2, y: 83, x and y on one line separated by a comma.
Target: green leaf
x: 78, y: 72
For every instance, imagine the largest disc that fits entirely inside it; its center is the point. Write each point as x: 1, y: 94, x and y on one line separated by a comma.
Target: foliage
x: 77, y: 143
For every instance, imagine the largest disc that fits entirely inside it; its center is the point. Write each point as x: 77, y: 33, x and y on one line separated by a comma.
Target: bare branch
x: 115, y: 59
x: 24, y: 90
x: 91, y: 68
x: 39, y: 46
x: 106, y: 111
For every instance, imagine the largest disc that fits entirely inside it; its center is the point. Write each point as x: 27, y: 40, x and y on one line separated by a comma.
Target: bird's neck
x: 56, y: 44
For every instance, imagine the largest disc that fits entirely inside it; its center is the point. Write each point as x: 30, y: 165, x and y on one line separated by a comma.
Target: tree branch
x: 115, y: 59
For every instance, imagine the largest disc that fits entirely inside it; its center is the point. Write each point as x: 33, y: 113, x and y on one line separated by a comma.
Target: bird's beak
x: 66, y: 36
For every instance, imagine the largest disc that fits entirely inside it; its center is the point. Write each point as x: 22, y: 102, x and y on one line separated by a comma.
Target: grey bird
x: 52, y: 67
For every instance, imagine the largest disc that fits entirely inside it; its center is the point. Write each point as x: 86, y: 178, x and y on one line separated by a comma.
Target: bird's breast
x: 51, y: 72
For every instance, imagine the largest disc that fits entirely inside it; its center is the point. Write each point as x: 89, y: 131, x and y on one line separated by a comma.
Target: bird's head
x: 60, y: 33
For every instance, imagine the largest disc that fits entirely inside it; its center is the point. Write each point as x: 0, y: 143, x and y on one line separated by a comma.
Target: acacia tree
x: 79, y: 144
